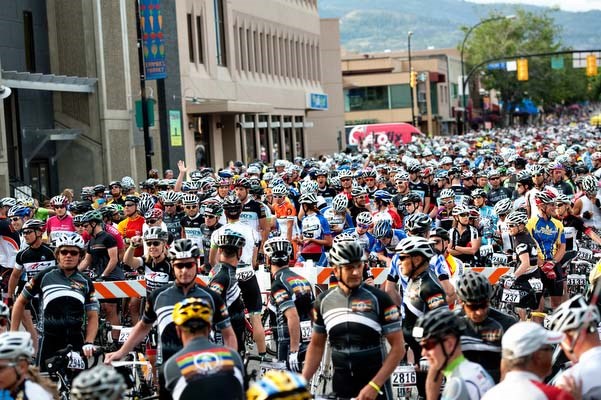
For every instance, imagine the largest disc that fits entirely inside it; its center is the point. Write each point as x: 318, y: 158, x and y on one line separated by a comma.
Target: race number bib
x: 404, y: 375
x: 75, y: 361
x: 306, y: 329
x: 268, y: 366
x: 499, y: 259
x: 536, y: 284
x: 511, y: 296
x: 576, y: 280
x: 244, y: 273
x: 124, y: 334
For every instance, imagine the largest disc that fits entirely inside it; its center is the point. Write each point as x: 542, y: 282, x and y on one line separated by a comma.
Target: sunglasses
x: 476, y: 306
x: 494, y: 179
x: 115, y: 187
x: 535, y: 175
x: 58, y: 207
x: 151, y: 221
x: 403, y: 258
x: 73, y: 253
x: 369, y: 179
x: 155, y: 243
x: 363, y: 226
x: 15, y: 218
x: 512, y: 225
x: 477, y: 197
x: 188, y: 265
x: 429, y: 344
x: 464, y: 215
x: 28, y: 231
x: 169, y: 205
x: 277, y: 197
x: 345, y: 179
x: 448, y: 202
x: 210, y: 216
x: 129, y: 204
x: 191, y: 207
x: 77, y: 224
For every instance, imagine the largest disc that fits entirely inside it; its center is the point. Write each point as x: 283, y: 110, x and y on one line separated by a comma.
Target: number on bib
x: 404, y: 375
x: 124, y: 334
x: 306, y: 329
x: 536, y: 284
x: 511, y: 296
x: 267, y: 366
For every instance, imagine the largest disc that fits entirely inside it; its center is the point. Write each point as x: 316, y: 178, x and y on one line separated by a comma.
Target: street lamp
x: 463, y: 80
x: 409, y: 34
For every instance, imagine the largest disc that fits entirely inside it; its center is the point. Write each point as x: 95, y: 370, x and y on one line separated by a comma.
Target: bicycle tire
x: 270, y: 333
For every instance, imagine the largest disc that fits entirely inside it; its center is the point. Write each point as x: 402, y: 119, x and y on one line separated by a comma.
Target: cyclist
x: 172, y: 216
x: 98, y: 383
x: 355, y: 318
x: 527, y: 350
x: 488, y: 219
x: 409, y: 204
x: 293, y: 298
x: 284, y: 211
x: 132, y: 224
x: 4, y: 317
x: 361, y: 232
x: 279, y: 385
x: 160, y: 304
x: 382, y: 201
x: 10, y: 242
x: 358, y: 202
x: 465, y: 240
x: 444, y: 213
x: 387, y: 239
x: 315, y: 232
x: 192, y: 221
x: 18, y: 380
x: 337, y: 215
x: 497, y: 192
x: 68, y: 302
x: 548, y: 234
x: 61, y: 222
x: 201, y: 369
x: 439, y: 333
x: 212, y: 211
x: 501, y: 235
x: 578, y: 321
x: 323, y: 190
x: 252, y: 214
x: 223, y: 280
x: 484, y: 326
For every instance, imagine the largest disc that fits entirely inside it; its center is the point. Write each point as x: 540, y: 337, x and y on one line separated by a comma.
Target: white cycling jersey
x: 587, y: 373
x: 466, y: 380
x: 522, y: 385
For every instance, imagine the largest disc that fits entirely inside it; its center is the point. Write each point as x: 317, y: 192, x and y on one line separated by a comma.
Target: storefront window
x: 300, y: 138
x: 263, y: 141
x: 288, y: 138
x: 275, y: 136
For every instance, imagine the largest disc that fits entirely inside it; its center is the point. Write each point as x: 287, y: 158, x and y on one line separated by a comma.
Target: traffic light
x: 591, y: 65
x: 413, y: 79
x: 522, y: 69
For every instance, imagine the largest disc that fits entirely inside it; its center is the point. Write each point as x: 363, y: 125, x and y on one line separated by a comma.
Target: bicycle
x: 324, y: 374
x: 264, y: 366
x: 62, y: 368
x: 270, y: 337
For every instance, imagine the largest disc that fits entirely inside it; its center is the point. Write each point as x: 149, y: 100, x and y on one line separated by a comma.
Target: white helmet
x: 572, y: 314
x: 504, y: 206
x: 365, y: 218
x: 340, y: 202
x: 15, y: 344
x: 69, y: 239
x: 444, y: 193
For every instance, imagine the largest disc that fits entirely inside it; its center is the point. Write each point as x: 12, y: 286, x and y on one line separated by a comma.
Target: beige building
x: 245, y: 80
x: 377, y: 89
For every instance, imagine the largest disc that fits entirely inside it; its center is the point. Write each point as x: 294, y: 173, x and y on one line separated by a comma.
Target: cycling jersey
x: 244, y: 271
x: 356, y: 325
x: 207, y: 232
x: 464, y: 240
x: 156, y: 275
x: 159, y: 307
x: 58, y: 226
x: 488, y: 222
x: 327, y: 193
x: 191, y: 230
x: 422, y: 189
x: 27, y: 390
x: 505, y: 237
x: 388, y: 215
x: 223, y: 282
x: 586, y: 371
x: 498, y: 194
x: 573, y: 228
x: 291, y: 290
x: 9, y: 244
x: 444, y: 218
x: 173, y: 223
x: 523, y: 243
x: 388, y: 250
x: 97, y: 248
x: 203, y: 370
x: 366, y: 240
x: 112, y: 230
x: 33, y: 260
x: 41, y: 214
x: 548, y: 234
x: 481, y: 342
x: 524, y: 385
x: 564, y: 187
x: 337, y: 221
x: 592, y: 210
x: 130, y: 227
x: 252, y: 214
x: 314, y: 226
x: 466, y: 380
x: 284, y: 213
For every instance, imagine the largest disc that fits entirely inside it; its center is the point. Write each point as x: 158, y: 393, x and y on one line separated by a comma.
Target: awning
x: 50, y: 82
x: 43, y: 136
x: 227, y: 107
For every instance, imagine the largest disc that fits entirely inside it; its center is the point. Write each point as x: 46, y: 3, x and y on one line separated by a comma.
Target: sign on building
x: 317, y: 101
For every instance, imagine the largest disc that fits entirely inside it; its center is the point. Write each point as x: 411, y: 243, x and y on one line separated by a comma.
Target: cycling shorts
x: 251, y: 295
x: 554, y: 287
x: 532, y: 299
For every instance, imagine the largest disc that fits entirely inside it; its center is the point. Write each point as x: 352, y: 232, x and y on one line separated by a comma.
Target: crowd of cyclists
x: 436, y: 218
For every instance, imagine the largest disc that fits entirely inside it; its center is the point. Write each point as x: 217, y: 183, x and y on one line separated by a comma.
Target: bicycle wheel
x: 270, y: 332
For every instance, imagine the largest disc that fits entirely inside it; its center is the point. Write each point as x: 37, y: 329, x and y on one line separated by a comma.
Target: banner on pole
x: 153, y: 46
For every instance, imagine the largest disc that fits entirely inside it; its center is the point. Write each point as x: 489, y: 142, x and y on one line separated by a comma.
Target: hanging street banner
x: 512, y: 66
x: 151, y: 23
x: 175, y: 128
x: 557, y: 62
x: 502, y: 65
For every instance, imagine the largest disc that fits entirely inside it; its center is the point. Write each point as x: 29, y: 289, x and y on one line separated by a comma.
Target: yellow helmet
x: 595, y: 273
x: 280, y: 385
x: 193, y: 312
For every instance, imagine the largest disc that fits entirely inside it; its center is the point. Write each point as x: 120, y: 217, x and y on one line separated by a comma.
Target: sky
x: 566, y: 5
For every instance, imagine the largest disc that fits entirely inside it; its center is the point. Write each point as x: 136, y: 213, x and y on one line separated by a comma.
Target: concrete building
x: 245, y: 81
x: 377, y: 89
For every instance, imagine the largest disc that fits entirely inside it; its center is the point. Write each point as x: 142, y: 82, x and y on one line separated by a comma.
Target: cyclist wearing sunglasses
x: 355, y: 318
x: 69, y: 308
x: 192, y: 221
x: 484, y: 325
x: 132, y: 224
x: 439, y: 334
x: 465, y: 239
x: 212, y: 211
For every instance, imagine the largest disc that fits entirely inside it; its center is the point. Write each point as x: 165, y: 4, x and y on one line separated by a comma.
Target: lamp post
x: 463, y: 80
x: 409, y: 34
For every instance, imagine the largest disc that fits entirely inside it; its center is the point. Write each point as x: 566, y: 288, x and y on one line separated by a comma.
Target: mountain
x: 377, y: 25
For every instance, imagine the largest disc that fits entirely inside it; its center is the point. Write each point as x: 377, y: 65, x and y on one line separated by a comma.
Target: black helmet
x: 441, y: 233
x: 230, y: 238
x: 80, y: 206
x: 99, y: 188
x: 35, y: 224
x: 243, y: 182
x: 437, y: 324
x: 132, y: 198
x: 92, y: 216
x: 473, y: 287
x: 232, y: 204
x: 411, y: 197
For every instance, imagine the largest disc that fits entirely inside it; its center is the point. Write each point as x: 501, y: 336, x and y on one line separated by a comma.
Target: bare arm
x: 17, y: 315
x: 135, y: 337
x: 561, y: 251
x: 180, y: 177
x: 113, y: 259
x: 15, y: 275
x: 293, y: 328
x: 264, y: 227
x: 213, y: 256
x: 83, y: 265
x: 449, y: 291
x: 91, y: 326
x: 315, y: 351
x: 129, y: 259
x: 433, y: 385
x: 391, y: 289
x: 229, y: 338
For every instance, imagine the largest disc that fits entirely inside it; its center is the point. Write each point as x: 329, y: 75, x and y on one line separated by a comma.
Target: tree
x: 527, y: 33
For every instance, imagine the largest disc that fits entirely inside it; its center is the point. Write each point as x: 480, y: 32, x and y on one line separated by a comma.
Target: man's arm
x: 180, y: 177
x: 15, y: 275
x: 135, y: 337
x: 229, y: 337
x: 91, y: 326
x: 391, y: 289
x: 17, y: 314
x: 314, y: 354
x: 291, y: 315
x: 85, y: 263
x: 213, y: 256
x: 113, y: 259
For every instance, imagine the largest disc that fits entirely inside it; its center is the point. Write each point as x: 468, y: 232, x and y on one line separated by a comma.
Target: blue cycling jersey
x: 488, y: 222
x: 367, y: 240
x: 388, y: 250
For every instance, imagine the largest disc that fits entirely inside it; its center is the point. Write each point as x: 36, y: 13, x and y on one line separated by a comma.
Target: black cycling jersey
x: 496, y: 195
x: 423, y: 189
x: 174, y: 224
x: 159, y: 307
x: 327, y: 193
x: 524, y: 243
x: 396, y: 200
x: 354, y: 211
x: 252, y: 213
x: 356, y: 325
x: 564, y: 187
x: 207, y: 231
x: 156, y: 275
x: 34, y: 260
x: 203, y: 370
x: 573, y: 229
x: 481, y: 342
x: 291, y: 290
x: 191, y: 229
x: 464, y: 240
x: 98, y: 247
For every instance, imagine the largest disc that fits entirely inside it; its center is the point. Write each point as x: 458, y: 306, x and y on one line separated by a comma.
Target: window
x: 275, y: 136
x: 366, y: 98
x: 190, y: 38
x: 300, y: 138
x: 400, y: 96
x: 29, y: 43
x: 288, y: 138
x: 201, y: 57
x: 269, y: 54
x: 251, y: 143
x: 257, y: 52
x: 249, y: 51
x: 220, y: 33
x: 263, y: 142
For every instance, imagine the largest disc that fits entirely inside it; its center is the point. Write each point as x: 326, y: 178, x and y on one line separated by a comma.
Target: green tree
x: 527, y: 33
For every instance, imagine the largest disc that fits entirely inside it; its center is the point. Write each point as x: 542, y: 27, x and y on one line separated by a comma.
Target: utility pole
x: 145, y: 124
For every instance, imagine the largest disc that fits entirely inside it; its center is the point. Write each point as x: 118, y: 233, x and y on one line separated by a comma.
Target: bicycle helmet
x: 589, y: 184
x: 80, y: 206
x: 574, y: 314
x: 230, y: 238
x: 8, y: 202
x: 308, y: 198
x: 545, y: 197
x: 280, y: 385
x: 78, y: 219
x: 308, y: 187
x: 478, y: 193
x: 145, y: 205
x: 383, y: 196
x: 99, y: 383
x: 414, y: 168
x: 473, y: 287
x: 460, y: 209
x: 280, y: 190
x: 446, y: 160
x: 415, y: 245
x: 212, y: 208
x: 524, y: 177
x: 195, y: 175
x: 18, y: 211
x: 115, y: 183
x: 190, y: 199
x: 335, y: 183
x: 59, y: 201
x: 242, y: 182
x: 132, y: 198
x: 437, y: 324
x: 183, y: 248
x: 446, y: 193
x: 156, y: 233
x: 504, y: 206
x: 382, y: 229
x: 562, y: 199
x: 441, y: 233
x: 128, y: 183
x: 277, y: 246
x: 106, y: 211
x: 153, y: 213
x: 418, y: 223
x: 100, y: 188
x: 27, y: 202
x: 34, y: 224
x: 357, y: 191
x: 410, y: 198
x: 169, y: 198
x: 193, y: 313
x: 401, y: 176
x: 365, y: 218
x: 346, y: 251
x: 232, y: 204
x: 340, y: 203
x: 536, y: 169
x: 92, y: 216
x: 16, y: 344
